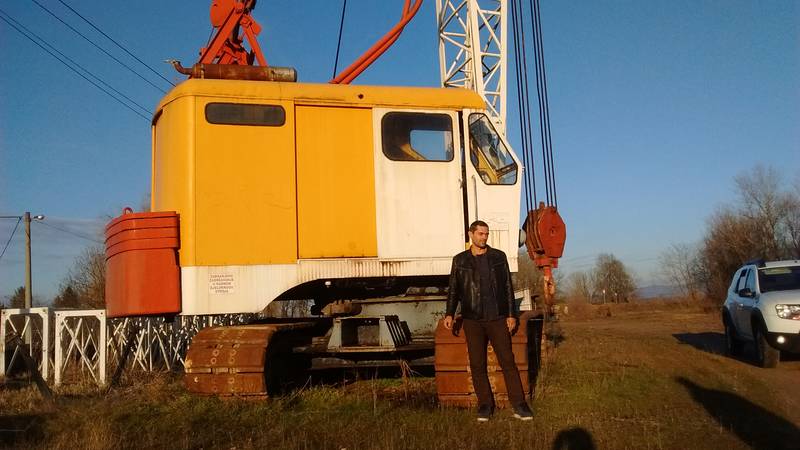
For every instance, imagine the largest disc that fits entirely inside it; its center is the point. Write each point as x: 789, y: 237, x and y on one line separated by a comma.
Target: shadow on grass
x: 752, y: 424
x: 15, y: 429
x: 715, y: 343
x: 574, y: 439
x: 707, y: 342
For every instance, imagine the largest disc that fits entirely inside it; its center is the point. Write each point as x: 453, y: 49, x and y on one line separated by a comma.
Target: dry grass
x: 638, y: 379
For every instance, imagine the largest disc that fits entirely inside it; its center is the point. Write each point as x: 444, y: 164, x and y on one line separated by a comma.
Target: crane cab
x: 284, y: 190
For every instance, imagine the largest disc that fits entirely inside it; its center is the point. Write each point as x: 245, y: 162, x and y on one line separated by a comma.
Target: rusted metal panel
x: 453, y: 375
x: 232, y: 360
x: 227, y: 384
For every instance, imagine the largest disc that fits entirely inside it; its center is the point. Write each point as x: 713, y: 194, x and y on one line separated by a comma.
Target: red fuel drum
x: 142, y: 272
x: 453, y: 376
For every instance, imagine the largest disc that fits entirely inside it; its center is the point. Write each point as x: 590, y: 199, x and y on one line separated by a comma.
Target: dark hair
x: 478, y: 223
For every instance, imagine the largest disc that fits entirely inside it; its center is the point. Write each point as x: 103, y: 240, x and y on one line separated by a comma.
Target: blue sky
x: 655, y: 107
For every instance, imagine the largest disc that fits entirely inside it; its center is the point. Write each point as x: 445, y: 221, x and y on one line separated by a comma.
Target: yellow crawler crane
x: 349, y: 199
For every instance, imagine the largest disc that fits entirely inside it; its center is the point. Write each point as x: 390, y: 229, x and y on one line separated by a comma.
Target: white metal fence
x: 78, y: 345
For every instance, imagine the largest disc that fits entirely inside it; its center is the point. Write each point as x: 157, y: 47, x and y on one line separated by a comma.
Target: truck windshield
x: 779, y: 278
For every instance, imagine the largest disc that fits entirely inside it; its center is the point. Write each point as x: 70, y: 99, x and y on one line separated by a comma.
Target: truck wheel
x: 733, y: 346
x: 766, y: 355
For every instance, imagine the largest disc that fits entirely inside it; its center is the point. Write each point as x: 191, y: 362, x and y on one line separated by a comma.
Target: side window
x: 488, y: 154
x: 734, y: 287
x: 417, y: 136
x: 751, y: 280
x: 245, y: 114
x: 742, y: 278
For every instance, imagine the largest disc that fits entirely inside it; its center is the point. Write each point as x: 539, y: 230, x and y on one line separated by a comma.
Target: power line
x: 88, y: 72
x: 115, y: 42
x: 19, y: 219
x: 72, y: 68
x: 69, y: 232
x: 132, y: 70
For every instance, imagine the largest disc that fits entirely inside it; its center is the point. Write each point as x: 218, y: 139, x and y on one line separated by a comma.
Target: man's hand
x: 448, y: 322
x: 511, y: 323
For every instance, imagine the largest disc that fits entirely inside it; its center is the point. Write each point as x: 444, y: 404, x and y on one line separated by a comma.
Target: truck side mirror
x: 746, y: 292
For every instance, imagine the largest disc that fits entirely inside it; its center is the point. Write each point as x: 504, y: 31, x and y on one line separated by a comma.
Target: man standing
x: 480, y: 281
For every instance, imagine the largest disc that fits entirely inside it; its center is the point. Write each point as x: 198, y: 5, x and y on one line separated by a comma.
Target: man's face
x: 479, y: 236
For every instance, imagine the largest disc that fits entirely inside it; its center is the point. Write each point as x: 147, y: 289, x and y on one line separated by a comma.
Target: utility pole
x: 28, y: 294
x: 28, y: 283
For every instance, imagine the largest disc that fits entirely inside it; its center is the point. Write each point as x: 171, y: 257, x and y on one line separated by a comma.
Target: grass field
x: 638, y: 377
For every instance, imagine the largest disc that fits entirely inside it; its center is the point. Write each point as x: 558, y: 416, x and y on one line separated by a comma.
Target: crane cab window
x: 488, y: 153
x: 417, y: 136
x: 245, y: 114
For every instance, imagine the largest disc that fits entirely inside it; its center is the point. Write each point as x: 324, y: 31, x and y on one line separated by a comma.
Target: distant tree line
x: 762, y: 222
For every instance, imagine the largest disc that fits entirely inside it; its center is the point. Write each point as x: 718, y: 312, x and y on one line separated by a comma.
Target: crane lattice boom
x: 473, y: 40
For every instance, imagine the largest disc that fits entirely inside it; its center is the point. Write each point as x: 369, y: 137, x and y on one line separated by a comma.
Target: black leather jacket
x: 465, y: 285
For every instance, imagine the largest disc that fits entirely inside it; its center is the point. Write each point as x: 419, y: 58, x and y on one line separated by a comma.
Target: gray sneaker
x: 523, y: 412
x: 484, y: 413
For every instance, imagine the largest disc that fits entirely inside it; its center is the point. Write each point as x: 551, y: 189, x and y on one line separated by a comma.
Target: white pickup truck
x: 763, y: 306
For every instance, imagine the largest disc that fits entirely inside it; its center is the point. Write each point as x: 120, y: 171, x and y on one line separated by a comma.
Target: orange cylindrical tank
x: 142, y: 272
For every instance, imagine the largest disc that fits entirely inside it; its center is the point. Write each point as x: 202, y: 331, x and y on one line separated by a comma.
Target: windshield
x: 779, y: 278
x: 488, y: 154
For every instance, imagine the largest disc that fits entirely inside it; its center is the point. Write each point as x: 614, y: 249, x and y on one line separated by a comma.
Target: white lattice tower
x: 472, y: 50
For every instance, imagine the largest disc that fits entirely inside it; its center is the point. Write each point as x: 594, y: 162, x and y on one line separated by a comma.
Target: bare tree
x: 766, y: 207
x: 88, y: 278
x: 764, y: 223
x: 578, y: 287
x: 612, y: 280
x: 681, y: 267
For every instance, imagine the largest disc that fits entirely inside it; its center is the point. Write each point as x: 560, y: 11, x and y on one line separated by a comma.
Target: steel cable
x: 88, y: 72
x: 547, y: 142
x: 132, y: 70
x: 523, y: 129
x: 19, y: 219
x: 73, y: 69
x: 540, y: 97
x: 339, y: 41
x: 69, y: 232
x: 115, y: 42
x: 526, y: 97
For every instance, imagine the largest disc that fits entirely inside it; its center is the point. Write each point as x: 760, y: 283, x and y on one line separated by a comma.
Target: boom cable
x: 530, y: 188
x: 115, y: 42
x: 69, y: 66
x: 132, y: 70
x: 42, y: 40
x: 544, y: 108
x: 525, y: 99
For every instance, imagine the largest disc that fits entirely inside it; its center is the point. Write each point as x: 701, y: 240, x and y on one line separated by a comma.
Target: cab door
x: 493, y: 183
x: 419, y: 202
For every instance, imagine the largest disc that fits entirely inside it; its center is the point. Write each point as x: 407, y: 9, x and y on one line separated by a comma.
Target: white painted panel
x: 419, y: 204
x: 233, y: 289
x: 248, y: 289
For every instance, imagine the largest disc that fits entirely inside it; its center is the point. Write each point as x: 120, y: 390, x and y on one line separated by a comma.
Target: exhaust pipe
x: 237, y: 72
